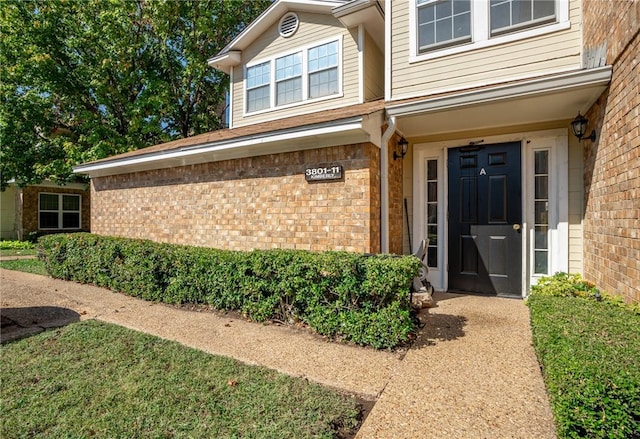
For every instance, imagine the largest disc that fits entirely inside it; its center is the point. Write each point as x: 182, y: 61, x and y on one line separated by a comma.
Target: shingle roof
x: 255, y: 129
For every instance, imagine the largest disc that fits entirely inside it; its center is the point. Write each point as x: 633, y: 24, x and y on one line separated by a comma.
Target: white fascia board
x: 356, y: 6
x: 351, y: 130
x: 226, y: 61
x: 562, y: 82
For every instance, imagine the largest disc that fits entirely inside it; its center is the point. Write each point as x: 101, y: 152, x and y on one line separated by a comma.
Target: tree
x: 83, y: 80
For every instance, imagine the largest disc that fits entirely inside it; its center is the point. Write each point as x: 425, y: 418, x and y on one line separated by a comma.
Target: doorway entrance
x: 485, y: 219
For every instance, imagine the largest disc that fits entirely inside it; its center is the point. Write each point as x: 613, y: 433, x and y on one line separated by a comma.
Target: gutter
x: 384, y: 184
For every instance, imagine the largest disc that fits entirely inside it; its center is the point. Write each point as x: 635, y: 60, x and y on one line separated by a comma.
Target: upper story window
x: 443, y: 27
x: 323, y: 70
x: 289, y: 79
x: 307, y: 74
x: 258, y: 87
x: 59, y: 211
x: 443, y: 23
x: 512, y: 15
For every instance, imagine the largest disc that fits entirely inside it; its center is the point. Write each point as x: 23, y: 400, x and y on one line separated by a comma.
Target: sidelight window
x: 541, y: 213
x: 432, y: 213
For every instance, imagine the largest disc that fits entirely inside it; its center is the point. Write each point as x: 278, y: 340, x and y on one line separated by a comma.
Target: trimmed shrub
x: 588, y: 343
x: 355, y: 297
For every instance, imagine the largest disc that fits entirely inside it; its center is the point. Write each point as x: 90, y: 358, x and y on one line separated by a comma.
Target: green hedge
x: 588, y: 344
x: 363, y: 299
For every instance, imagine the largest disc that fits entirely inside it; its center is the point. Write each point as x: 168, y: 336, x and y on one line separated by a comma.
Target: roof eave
x: 346, y: 131
x: 565, y: 81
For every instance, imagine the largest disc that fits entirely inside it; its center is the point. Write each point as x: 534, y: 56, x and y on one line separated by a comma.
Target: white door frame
x: 556, y: 142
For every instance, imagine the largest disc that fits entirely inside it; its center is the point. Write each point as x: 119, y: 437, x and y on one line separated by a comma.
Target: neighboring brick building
x: 612, y: 162
x: 35, y: 210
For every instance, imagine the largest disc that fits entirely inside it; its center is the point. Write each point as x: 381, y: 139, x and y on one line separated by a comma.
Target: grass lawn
x: 590, y: 355
x: 93, y: 379
x: 18, y: 252
x: 27, y: 265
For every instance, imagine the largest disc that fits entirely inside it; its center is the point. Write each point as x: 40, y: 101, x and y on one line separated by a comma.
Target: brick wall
x: 30, y: 206
x: 396, y: 199
x: 612, y: 162
x: 252, y: 203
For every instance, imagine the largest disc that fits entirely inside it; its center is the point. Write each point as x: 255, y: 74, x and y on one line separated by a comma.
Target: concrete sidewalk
x: 472, y: 373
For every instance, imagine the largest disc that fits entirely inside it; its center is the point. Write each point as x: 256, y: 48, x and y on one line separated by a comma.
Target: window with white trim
x: 443, y: 23
x: 59, y: 211
x: 323, y: 70
x: 309, y: 73
x: 441, y: 27
x: 432, y: 212
x: 258, y: 87
x: 513, y: 15
x: 541, y: 212
x: 289, y: 79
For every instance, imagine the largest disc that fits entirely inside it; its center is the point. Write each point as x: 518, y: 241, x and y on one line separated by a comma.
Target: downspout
x: 384, y: 184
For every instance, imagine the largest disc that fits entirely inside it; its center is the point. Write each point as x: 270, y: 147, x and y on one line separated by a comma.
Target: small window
x: 323, y: 70
x: 59, y: 211
x: 541, y: 212
x: 443, y: 23
x: 288, y: 25
x: 258, y: 84
x: 513, y: 15
x: 432, y: 213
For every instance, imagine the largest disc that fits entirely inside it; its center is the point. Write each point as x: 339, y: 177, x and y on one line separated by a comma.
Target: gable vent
x: 288, y: 25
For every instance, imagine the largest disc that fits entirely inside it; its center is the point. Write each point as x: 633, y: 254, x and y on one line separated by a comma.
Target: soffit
x: 552, y: 98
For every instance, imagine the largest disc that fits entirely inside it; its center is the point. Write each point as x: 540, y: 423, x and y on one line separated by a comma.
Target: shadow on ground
x: 439, y: 327
x: 18, y: 323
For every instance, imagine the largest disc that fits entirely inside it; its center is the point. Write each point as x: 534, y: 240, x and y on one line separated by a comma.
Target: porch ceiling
x: 551, y: 99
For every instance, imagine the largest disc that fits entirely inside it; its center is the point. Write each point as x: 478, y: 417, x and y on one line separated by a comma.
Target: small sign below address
x: 322, y: 173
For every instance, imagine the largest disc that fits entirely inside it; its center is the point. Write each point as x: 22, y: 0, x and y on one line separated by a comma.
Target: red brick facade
x: 251, y: 203
x: 612, y: 162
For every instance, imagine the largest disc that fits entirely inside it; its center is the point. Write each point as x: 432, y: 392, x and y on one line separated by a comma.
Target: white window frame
x: 481, y: 31
x: 247, y: 89
x: 305, y: 77
x: 61, y: 211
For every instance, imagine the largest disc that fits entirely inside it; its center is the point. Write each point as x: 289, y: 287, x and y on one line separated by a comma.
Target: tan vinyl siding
x: 8, y: 201
x: 576, y: 196
x: 373, y: 70
x: 313, y: 28
x: 518, y: 59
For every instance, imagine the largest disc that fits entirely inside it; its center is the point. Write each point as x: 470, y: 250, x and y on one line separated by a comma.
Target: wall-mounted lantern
x: 403, y: 144
x: 579, y: 128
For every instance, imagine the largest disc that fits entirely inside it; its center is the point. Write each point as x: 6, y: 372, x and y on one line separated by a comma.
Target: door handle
x: 516, y: 227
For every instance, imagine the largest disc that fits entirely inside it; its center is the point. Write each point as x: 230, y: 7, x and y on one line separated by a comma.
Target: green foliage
x: 83, y: 80
x: 16, y: 245
x: 363, y: 299
x: 573, y: 285
x: 27, y: 265
x: 590, y: 355
x: 93, y: 379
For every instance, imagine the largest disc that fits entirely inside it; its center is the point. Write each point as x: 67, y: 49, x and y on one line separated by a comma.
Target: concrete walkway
x: 472, y: 373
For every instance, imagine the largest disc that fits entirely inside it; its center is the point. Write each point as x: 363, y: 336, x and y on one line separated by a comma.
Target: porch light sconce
x: 579, y: 128
x: 403, y: 144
